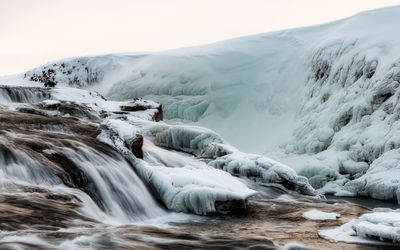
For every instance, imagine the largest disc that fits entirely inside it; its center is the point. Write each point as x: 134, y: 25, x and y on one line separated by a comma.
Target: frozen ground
x: 322, y: 99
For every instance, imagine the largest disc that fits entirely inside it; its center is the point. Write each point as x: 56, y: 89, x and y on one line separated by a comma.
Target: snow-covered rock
x: 377, y: 228
x: 122, y: 135
x: 264, y: 170
x: 383, y: 225
x: 199, y: 141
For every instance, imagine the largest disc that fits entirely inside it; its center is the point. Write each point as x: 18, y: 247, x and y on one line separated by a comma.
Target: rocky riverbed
x: 64, y: 186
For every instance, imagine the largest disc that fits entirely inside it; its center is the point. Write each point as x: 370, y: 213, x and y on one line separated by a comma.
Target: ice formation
x: 193, y: 188
x: 199, y: 141
x: 327, y: 93
x: 264, y: 170
x: 319, y: 215
x: 368, y: 229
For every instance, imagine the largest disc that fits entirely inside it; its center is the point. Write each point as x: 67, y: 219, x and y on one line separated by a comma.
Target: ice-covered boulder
x: 197, y: 188
x: 199, y: 141
x: 264, y: 170
x: 381, y: 181
x: 122, y: 135
x: 382, y: 225
x: 379, y: 228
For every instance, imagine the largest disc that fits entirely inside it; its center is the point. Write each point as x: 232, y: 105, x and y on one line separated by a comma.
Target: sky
x: 34, y: 32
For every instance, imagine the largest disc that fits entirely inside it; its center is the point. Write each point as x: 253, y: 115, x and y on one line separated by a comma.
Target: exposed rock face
x: 80, y: 72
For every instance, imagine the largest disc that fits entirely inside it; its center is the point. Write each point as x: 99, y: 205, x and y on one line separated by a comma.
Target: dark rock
x: 158, y: 116
x: 235, y: 207
x: 76, y: 110
x: 135, y: 146
x: 135, y: 106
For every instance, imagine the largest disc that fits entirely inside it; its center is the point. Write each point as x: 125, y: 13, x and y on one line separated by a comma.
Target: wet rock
x: 76, y: 110
x: 142, y: 105
x: 38, y: 209
x: 135, y: 145
x: 24, y: 94
x: 234, y: 207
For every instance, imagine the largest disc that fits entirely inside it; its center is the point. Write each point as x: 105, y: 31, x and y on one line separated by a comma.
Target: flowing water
x: 55, y: 158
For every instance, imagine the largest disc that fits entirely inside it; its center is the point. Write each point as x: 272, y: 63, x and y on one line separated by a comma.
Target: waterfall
x: 23, y: 94
x: 102, y: 174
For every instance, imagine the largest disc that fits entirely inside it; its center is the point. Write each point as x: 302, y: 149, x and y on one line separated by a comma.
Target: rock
x: 135, y: 145
x: 142, y: 105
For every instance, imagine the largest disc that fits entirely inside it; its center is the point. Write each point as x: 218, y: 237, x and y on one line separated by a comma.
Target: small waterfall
x: 23, y: 94
x: 100, y: 172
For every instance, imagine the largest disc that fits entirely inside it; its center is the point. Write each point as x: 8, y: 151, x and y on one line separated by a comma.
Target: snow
x: 322, y: 100
x: 49, y: 103
x: 199, y: 141
x: 320, y: 215
x: 264, y: 170
x: 377, y: 228
x: 194, y: 188
x: 346, y: 233
x: 383, y: 225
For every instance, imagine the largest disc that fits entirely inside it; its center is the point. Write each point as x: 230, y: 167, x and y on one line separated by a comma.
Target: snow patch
x: 320, y: 215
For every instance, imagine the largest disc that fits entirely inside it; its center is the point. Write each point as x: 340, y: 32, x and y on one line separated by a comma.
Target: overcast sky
x: 33, y: 32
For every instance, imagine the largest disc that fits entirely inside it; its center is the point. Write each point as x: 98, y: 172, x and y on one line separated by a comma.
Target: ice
x: 204, y: 142
x: 327, y: 94
x: 320, y: 215
x: 199, y: 141
x: 383, y: 225
x: 347, y: 234
x: 264, y: 170
x: 49, y: 103
x: 377, y: 228
x: 195, y: 187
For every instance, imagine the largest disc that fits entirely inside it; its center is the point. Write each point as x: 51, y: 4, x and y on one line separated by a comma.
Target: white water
x: 123, y: 195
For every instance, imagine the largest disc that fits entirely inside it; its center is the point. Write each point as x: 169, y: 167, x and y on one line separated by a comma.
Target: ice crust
x: 320, y: 215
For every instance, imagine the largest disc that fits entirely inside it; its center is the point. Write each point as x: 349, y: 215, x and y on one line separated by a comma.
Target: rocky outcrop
x: 80, y: 72
x: 142, y: 105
